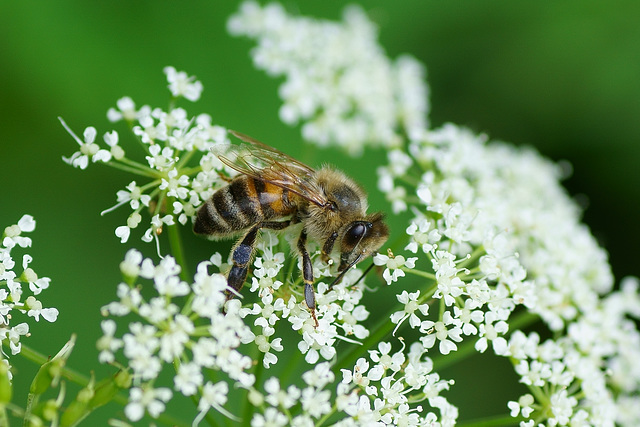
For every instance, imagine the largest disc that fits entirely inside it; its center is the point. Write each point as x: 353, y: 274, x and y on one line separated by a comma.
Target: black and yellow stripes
x: 243, y: 203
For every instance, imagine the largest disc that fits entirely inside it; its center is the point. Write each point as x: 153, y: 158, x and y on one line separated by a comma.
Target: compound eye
x: 354, y: 234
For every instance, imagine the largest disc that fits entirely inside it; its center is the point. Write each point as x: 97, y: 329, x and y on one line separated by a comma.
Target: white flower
x: 423, y: 234
x: 213, y: 396
x: 279, y: 397
x: 130, y: 267
x: 175, y: 337
x: 133, y: 196
x: 533, y: 373
x: 489, y: 332
x: 562, y: 407
x: 35, y: 310
x: 13, y: 233
x: 161, y: 158
x: 385, y: 360
x: 126, y: 110
x: 108, y: 344
x: 447, y: 331
x: 88, y: 149
x: 177, y: 185
x: 180, y: 84
x: 188, y: 378
x: 13, y: 334
x: 151, y: 400
x: 264, y: 345
x: 523, y: 405
x: 111, y: 139
x: 410, y: 301
x: 36, y: 285
x: 271, y: 418
x: 394, y: 266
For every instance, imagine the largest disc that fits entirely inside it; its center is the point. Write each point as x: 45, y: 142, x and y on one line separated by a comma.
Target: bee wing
x: 265, y: 163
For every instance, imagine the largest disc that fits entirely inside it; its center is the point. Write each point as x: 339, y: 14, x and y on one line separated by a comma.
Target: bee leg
x: 243, y: 253
x: 328, y: 246
x: 241, y: 256
x: 307, y: 276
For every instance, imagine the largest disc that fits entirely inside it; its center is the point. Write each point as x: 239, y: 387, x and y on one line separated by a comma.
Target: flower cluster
x: 16, y: 278
x: 381, y: 390
x: 500, y: 233
x: 494, y: 239
x: 194, y: 336
x: 166, y: 328
x: 205, y: 332
x: 180, y: 169
x: 493, y: 244
x: 347, y: 92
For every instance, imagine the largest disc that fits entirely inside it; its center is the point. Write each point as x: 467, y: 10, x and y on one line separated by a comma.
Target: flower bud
x: 50, y: 410
x: 79, y: 408
x: 50, y: 372
x: 106, y: 389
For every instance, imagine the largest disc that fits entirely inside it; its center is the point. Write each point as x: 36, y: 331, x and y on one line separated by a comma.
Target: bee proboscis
x: 274, y: 191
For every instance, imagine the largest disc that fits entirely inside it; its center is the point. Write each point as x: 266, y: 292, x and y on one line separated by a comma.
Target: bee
x: 274, y: 191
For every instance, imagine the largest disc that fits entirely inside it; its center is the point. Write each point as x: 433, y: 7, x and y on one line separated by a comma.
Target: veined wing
x: 265, y: 163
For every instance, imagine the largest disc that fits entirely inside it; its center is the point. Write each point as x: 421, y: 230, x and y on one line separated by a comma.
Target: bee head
x: 361, y: 239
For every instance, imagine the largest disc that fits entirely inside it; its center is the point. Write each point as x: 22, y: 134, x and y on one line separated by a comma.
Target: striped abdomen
x: 246, y: 201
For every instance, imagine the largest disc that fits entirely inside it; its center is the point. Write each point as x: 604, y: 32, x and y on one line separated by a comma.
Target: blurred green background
x: 563, y: 77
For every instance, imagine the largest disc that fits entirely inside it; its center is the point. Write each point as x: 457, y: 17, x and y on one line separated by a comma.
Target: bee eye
x: 354, y: 234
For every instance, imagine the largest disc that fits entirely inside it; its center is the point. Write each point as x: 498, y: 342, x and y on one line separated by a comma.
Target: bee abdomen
x: 231, y: 209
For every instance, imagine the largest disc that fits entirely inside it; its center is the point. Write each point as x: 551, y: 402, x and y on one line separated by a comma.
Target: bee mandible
x: 274, y: 191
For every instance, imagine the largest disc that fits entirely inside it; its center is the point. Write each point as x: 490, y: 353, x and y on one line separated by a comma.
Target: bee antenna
x: 364, y: 273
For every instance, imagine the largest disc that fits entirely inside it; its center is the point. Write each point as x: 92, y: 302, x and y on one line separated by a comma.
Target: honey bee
x: 274, y: 191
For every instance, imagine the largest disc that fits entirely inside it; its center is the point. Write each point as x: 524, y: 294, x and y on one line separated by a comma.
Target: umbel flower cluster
x: 493, y: 245
x: 20, y: 289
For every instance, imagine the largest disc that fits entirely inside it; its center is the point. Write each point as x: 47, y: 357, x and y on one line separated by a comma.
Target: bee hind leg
x: 307, y: 276
x: 241, y: 257
x: 243, y: 253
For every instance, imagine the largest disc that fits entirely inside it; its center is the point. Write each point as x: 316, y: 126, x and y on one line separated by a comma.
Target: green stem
x: 133, y: 168
x: 420, y: 273
x: 209, y: 417
x: 184, y: 159
x: 498, y: 420
x: 248, y: 409
x: 477, y: 252
x: 32, y: 400
x: 175, y: 241
x: 328, y: 415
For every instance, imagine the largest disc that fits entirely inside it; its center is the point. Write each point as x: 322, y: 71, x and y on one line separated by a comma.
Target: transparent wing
x: 265, y: 163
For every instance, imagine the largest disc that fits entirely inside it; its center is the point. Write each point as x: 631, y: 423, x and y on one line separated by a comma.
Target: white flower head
x: 181, y: 84
x: 148, y: 399
x: 89, y: 150
x: 355, y: 95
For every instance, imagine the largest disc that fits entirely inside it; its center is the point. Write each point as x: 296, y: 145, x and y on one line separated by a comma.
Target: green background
x: 563, y: 77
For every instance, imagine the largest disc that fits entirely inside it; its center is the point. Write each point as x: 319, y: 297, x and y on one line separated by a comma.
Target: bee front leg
x: 307, y: 275
x: 328, y: 246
